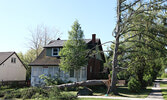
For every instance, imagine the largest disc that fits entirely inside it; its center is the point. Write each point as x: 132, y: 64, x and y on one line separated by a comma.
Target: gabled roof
x: 44, y: 60
x: 60, y: 43
x: 4, y: 56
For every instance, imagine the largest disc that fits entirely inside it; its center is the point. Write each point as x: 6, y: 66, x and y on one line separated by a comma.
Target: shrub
x: 48, y: 80
x: 54, y: 93
x: 147, y: 79
x: 134, y: 85
x: 31, y: 93
x: 67, y: 96
x: 8, y: 96
x: 164, y: 75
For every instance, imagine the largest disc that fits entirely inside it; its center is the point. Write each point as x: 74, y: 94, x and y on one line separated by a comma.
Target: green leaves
x: 73, y: 54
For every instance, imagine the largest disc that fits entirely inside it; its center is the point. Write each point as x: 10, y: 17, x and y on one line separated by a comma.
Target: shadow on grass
x: 124, y: 92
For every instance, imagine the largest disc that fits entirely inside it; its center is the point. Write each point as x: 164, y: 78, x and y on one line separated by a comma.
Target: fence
x: 16, y: 83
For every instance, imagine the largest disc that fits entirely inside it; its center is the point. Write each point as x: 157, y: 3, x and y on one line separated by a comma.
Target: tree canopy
x: 73, y: 53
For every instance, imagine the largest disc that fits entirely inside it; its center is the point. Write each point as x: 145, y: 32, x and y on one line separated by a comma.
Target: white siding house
x: 48, y: 61
x: 11, y: 67
x: 55, y: 72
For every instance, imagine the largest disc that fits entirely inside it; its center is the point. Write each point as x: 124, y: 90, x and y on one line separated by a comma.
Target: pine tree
x: 73, y: 54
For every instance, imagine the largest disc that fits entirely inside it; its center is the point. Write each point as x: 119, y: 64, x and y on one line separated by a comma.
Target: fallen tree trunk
x: 83, y: 83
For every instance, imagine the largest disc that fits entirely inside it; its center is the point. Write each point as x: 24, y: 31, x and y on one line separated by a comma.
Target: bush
x: 37, y: 93
x: 54, y: 93
x: 32, y: 93
x: 8, y: 96
x: 134, y: 85
x: 147, y: 79
x: 48, y: 80
x: 164, y: 75
x: 67, y: 96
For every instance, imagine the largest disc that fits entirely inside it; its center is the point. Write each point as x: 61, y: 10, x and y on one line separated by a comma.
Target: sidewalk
x: 111, y: 97
x: 154, y: 95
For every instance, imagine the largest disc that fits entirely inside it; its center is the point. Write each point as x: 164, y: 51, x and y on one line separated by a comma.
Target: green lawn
x: 95, y: 99
x: 164, y: 89
x: 123, y: 92
x: 99, y: 91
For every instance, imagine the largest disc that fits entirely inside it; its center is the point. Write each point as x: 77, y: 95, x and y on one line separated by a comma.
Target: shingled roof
x: 43, y: 60
x: 60, y: 43
x: 4, y: 56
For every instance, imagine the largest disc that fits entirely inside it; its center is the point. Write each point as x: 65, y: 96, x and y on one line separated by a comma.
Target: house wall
x: 48, y: 51
x: 54, y: 72
x: 93, y: 69
x: 12, y: 71
x: 98, y: 55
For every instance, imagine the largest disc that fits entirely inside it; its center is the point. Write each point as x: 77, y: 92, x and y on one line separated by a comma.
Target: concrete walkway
x: 154, y: 95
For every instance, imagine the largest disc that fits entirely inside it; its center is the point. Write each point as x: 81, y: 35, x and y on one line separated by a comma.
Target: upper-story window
x: 13, y: 60
x: 55, y: 51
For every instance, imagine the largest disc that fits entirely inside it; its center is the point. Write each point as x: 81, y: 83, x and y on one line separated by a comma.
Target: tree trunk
x: 83, y: 83
x: 114, y: 68
x: 77, y: 75
x: 115, y: 54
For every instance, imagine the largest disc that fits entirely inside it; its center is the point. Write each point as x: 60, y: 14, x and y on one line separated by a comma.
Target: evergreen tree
x: 73, y: 54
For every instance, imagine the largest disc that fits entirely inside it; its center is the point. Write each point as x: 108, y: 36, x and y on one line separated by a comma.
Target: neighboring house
x: 11, y: 67
x: 48, y: 63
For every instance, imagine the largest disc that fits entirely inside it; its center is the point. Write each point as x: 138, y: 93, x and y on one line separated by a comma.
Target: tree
x: 73, y: 54
x: 126, y: 12
x: 40, y: 36
x: 27, y: 58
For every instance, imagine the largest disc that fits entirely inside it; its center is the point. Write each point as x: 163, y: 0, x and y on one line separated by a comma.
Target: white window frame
x: 57, y: 51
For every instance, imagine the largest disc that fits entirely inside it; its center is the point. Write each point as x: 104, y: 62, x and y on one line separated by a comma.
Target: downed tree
x: 107, y: 83
x: 84, y: 83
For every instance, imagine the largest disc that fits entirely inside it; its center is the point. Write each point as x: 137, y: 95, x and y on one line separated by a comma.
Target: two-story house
x: 48, y: 63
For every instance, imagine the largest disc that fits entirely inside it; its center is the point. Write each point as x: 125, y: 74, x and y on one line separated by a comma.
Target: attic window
x: 55, y: 51
x: 13, y: 60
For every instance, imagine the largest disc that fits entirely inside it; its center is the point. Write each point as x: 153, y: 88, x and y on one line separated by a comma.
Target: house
x: 11, y: 67
x: 48, y: 63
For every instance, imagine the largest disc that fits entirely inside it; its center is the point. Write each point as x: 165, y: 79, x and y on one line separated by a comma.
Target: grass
x: 101, y: 91
x: 164, y: 89
x: 123, y: 92
x: 95, y: 99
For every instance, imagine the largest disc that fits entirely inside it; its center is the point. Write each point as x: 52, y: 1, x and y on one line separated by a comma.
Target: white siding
x: 55, y: 72
x: 12, y: 71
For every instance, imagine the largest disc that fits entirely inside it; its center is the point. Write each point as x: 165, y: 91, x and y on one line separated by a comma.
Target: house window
x: 83, y: 72
x: 13, y: 60
x: 71, y: 72
x: 55, y: 51
x: 90, y: 68
x: 35, y: 71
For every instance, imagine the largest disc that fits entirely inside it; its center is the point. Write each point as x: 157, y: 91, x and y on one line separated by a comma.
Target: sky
x: 16, y: 16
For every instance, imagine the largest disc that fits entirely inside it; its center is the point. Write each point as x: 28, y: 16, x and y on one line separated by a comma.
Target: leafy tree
x: 127, y: 13
x: 27, y: 58
x: 73, y: 54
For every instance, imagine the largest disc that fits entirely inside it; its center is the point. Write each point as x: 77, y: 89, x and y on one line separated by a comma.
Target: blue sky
x: 16, y: 16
